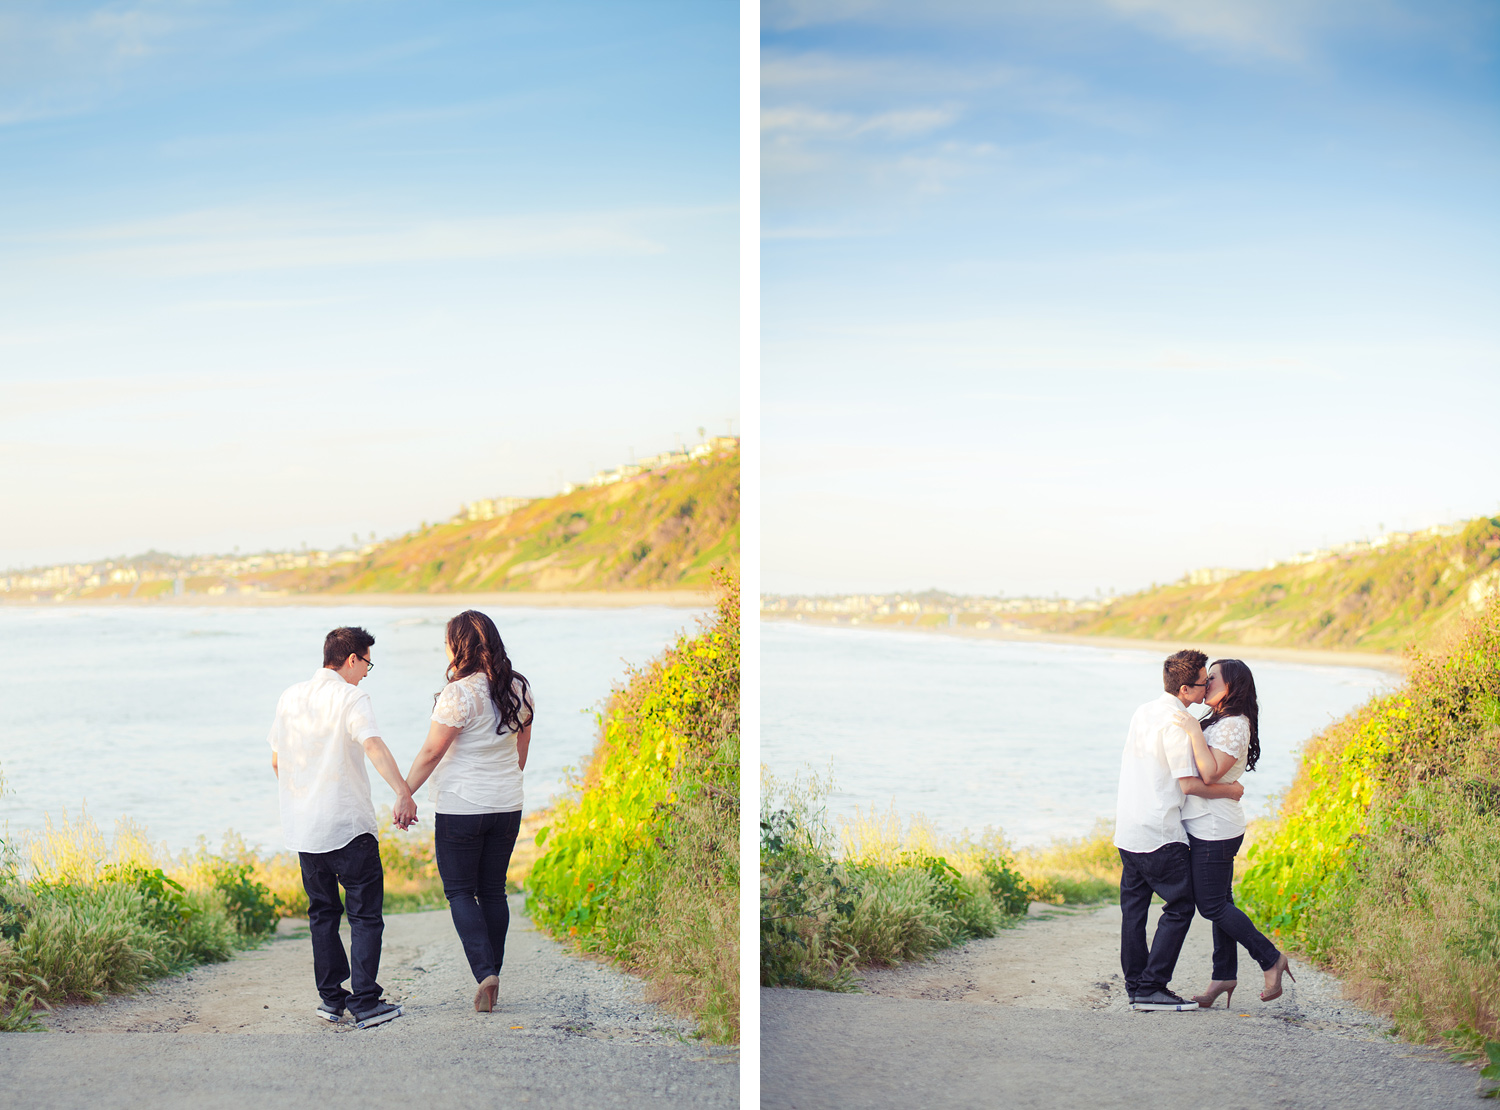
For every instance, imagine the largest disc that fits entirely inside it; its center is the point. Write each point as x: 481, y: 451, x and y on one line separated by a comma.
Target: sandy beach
x: 534, y: 599
x: 1381, y: 661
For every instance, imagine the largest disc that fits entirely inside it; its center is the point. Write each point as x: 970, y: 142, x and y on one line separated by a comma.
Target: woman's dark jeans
x: 473, y: 854
x: 1213, y: 888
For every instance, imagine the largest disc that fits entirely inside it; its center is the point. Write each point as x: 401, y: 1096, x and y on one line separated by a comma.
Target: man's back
x: 318, y: 738
x: 1157, y: 753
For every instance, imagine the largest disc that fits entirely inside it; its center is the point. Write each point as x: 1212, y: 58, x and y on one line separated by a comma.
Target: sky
x: 275, y: 273
x: 1074, y: 297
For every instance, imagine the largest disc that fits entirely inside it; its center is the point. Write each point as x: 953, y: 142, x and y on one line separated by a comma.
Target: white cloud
x: 1278, y: 28
x: 237, y: 241
x: 900, y: 123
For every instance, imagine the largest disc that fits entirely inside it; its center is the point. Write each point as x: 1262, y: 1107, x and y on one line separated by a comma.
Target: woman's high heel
x: 1216, y: 988
x: 1273, y: 991
x: 489, y: 990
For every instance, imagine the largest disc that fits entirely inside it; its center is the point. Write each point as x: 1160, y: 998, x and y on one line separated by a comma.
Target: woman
x: 1227, y: 745
x: 474, y: 755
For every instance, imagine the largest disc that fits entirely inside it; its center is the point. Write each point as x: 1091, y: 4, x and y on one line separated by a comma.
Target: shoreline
x: 1376, y: 661
x: 532, y: 599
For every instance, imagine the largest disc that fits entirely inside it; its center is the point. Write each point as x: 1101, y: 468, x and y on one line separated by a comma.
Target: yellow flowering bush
x: 641, y: 863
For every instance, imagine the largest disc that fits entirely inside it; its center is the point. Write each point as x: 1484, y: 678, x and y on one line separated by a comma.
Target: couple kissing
x: 1178, y: 825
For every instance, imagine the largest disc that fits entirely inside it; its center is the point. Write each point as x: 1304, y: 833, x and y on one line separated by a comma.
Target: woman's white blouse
x: 481, y: 770
x: 1220, y: 818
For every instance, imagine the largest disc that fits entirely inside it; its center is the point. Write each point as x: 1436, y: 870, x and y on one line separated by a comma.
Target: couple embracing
x: 1178, y: 825
x: 472, y: 761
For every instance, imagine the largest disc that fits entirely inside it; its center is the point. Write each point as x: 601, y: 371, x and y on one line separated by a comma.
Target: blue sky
x: 285, y: 272
x: 1080, y: 295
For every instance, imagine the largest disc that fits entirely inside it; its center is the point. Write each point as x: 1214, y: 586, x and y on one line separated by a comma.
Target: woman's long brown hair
x: 1239, y: 701
x: 477, y: 646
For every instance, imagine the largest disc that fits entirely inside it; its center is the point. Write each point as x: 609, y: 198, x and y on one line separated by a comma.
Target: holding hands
x: 405, y: 814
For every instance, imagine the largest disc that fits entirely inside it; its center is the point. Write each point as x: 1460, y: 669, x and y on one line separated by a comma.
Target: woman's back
x: 481, y: 770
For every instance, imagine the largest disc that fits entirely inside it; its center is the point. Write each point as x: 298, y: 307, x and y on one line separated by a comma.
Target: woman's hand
x: 439, y: 739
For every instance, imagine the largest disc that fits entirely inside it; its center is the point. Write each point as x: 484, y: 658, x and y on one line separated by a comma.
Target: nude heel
x: 1216, y: 988
x: 484, y: 998
x: 1273, y: 992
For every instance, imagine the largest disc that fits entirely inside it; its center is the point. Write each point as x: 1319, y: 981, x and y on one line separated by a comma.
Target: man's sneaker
x: 331, y: 1014
x: 383, y: 1012
x: 1161, y: 1000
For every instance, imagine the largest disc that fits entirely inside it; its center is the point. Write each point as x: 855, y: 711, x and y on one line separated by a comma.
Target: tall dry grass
x: 1083, y: 869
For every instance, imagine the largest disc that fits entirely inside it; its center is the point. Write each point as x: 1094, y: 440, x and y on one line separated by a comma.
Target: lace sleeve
x: 1231, y: 735
x: 454, y: 707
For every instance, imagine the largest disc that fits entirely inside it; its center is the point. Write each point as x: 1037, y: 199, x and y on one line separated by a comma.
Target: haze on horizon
x: 276, y: 273
x: 1072, y: 297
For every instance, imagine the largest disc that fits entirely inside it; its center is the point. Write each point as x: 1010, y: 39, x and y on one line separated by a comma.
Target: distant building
x: 492, y: 508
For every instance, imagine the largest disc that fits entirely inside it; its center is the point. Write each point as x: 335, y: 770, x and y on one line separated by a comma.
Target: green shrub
x: 894, y: 893
x: 641, y: 864
x: 251, y: 906
x: 1384, y: 862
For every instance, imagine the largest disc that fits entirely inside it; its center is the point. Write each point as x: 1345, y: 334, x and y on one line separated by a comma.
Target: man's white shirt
x: 318, y: 737
x: 1157, y: 753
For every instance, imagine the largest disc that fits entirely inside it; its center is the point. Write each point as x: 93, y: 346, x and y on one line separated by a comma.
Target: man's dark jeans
x: 473, y: 854
x: 355, y: 867
x: 1213, y: 886
x: 1167, y: 872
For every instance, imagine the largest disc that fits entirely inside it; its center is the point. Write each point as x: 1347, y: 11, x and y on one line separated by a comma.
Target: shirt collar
x: 1174, y: 699
x: 326, y: 673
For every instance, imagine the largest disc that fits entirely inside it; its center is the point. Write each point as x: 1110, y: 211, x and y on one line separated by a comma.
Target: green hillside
x: 666, y: 529
x: 1385, y: 599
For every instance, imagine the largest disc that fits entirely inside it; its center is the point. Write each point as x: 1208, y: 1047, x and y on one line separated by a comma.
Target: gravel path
x: 567, y: 1032
x: 1037, y: 1017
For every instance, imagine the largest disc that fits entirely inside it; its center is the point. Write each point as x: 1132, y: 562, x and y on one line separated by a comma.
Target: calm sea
x: 1018, y: 735
x: 161, y: 714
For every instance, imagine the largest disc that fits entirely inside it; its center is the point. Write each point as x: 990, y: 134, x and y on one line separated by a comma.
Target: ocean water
x: 1017, y: 735
x: 160, y: 714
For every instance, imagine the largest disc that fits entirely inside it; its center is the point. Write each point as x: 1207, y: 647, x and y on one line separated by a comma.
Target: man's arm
x: 380, y: 755
x: 275, y: 770
x: 1234, y: 791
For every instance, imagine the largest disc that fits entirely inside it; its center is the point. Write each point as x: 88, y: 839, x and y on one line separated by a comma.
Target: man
x: 324, y: 729
x: 1156, y: 772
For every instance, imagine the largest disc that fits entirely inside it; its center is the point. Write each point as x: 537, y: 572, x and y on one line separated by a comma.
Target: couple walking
x: 1178, y: 825
x: 472, y: 760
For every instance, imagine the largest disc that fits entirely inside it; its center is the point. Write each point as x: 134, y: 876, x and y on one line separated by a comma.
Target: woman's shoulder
x: 1237, y: 721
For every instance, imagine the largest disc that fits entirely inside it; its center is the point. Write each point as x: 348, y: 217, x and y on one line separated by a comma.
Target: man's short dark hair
x: 1181, y: 669
x: 341, y: 643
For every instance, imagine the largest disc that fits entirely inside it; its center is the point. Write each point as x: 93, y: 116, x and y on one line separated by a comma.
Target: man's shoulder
x: 1153, y: 710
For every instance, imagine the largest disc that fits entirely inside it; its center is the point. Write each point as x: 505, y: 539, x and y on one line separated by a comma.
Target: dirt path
x: 567, y: 1032
x: 1037, y: 1017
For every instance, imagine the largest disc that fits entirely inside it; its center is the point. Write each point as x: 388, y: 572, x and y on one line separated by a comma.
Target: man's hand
x: 405, y: 813
x: 1236, y: 790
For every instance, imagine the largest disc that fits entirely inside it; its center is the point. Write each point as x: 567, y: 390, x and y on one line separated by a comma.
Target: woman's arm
x: 439, y: 738
x: 1212, y: 764
x: 523, y: 744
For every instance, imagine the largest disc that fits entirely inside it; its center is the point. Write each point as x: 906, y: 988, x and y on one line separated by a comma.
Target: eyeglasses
x: 368, y: 665
x: 1195, y: 684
